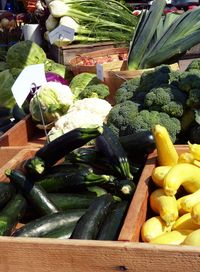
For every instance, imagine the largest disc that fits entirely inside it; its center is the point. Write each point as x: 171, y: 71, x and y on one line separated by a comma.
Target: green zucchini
x: 108, y: 144
x: 71, y: 201
x: 6, y: 192
x: 62, y: 232
x: 113, y: 222
x: 48, y: 223
x: 91, y: 156
x: 90, y: 222
x: 34, y: 193
x: 64, y: 182
x: 11, y: 214
x: 56, y: 150
x: 125, y: 188
x: 139, y: 142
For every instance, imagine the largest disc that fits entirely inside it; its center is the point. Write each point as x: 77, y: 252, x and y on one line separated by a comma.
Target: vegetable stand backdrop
x: 84, y: 182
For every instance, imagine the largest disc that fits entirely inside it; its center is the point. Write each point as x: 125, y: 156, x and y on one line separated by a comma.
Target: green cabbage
x: 6, y: 82
x: 3, y: 66
x: 25, y: 53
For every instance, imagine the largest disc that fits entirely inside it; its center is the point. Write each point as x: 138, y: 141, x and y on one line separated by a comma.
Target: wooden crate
x: 50, y: 255
x: 64, y: 54
x: 12, y: 157
x: 24, y: 133
x: 137, y: 212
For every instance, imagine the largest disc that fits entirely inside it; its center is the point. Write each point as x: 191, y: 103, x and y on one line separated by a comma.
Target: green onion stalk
x: 95, y: 20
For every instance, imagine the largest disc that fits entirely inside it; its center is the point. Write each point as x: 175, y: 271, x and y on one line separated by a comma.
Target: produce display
x: 81, y: 183
x: 69, y: 191
x: 174, y: 199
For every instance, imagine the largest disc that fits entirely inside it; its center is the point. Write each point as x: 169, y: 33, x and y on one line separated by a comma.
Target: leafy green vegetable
x: 6, y: 82
x: 25, y: 53
x: 58, y: 68
x: 82, y: 81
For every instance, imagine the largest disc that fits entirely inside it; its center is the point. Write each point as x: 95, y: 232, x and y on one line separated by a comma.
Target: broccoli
x: 193, y: 99
x: 97, y: 90
x: 174, y: 78
x: 166, y: 98
x: 145, y: 120
x: 195, y: 64
x: 154, y: 78
x: 189, y: 80
x: 121, y: 115
x: 127, y: 90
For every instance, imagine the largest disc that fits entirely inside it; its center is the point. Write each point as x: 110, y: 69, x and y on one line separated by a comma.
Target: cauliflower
x: 55, y: 100
x: 94, y: 105
x: 87, y: 112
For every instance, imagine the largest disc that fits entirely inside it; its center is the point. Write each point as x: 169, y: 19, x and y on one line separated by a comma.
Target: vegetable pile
x: 174, y: 198
x: 92, y: 21
x: 68, y: 191
x: 159, y: 96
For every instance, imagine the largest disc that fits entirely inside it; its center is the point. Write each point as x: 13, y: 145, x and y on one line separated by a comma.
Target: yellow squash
x: 193, y: 239
x: 165, y: 206
x: 185, y: 174
x: 175, y: 237
x: 185, y: 222
x: 153, y: 227
x: 159, y: 173
x: 166, y: 151
x: 185, y: 203
x: 195, y: 213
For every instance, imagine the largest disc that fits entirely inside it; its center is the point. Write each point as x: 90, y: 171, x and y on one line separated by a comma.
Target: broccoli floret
x: 166, y: 98
x: 145, y: 120
x: 193, y: 99
x: 172, y: 124
x: 195, y: 64
x: 98, y: 90
x: 189, y: 80
x: 121, y: 115
x: 127, y: 90
x: 154, y: 78
x: 174, y: 77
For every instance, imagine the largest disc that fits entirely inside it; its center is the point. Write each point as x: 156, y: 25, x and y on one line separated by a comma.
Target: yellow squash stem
x: 166, y: 151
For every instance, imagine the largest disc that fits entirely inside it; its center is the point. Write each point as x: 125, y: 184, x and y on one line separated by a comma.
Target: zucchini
x: 34, y: 193
x: 113, y: 222
x: 6, y: 127
x: 18, y: 113
x: 4, y: 111
x: 66, y: 182
x: 71, y: 201
x: 48, y: 223
x: 62, y: 232
x: 108, y: 144
x: 6, y: 193
x: 11, y: 214
x: 56, y: 150
x: 92, y: 157
x: 123, y: 189
x: 90, y: 222
x: 139, y: 142
x: 5, y: 121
